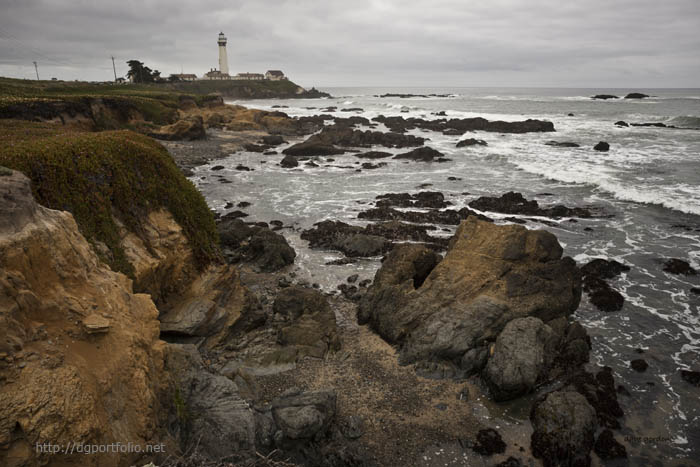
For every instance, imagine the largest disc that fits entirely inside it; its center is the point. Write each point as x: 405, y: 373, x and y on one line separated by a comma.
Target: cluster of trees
x: 140, y: 73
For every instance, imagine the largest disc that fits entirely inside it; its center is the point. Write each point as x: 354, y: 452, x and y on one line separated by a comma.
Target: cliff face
x: 80, y: 358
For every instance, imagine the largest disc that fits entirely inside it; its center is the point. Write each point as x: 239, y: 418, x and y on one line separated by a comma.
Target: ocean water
x: 649, y: 184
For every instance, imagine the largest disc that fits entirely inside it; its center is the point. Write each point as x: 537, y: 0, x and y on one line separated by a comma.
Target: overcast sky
x: 594, y: 43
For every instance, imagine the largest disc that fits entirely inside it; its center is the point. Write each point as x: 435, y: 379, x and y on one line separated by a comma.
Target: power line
x: 44, y: 57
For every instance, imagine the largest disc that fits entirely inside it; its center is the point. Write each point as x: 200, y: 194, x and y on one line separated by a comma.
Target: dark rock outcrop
x: 273, y: 140
x: 604, y: 96
x: 447, y: 217
x: 622, y: 123
x: 678, y: 266
x: 602, y: 146
x: 327, y: 141
x: 489, y: 442
x: 423, y: 154
x: 268, y: 250
x: 600, y: 392
x: 639, y: 365
x: 636, y: 95
x: 692, y: 377
x: 349, y: 239
x: 562, y: 144
x: 564, y: 425
x: 289, y: 162
x: 461, y: 126
x: 303, y: 415
x: 471, y: 142
x: 515, y: 203
x: 607, y: 447
x: 595, y: 273
x: 374, y: 155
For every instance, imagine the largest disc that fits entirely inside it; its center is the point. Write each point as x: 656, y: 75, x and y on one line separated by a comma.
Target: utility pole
x: 115, y: 69
x: 36, y: 68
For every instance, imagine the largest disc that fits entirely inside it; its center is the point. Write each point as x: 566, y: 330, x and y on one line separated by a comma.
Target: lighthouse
x: 223, y: 59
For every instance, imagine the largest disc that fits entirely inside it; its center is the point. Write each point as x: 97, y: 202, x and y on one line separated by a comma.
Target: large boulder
x: 491, y: 275
x: 303, y: 416
x: 564, y: 425
x: 267, y: 250
x: 310, y: 327
x: 521, y: 356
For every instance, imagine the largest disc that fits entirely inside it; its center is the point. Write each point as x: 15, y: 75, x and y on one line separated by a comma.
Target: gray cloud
x: 597, y: 43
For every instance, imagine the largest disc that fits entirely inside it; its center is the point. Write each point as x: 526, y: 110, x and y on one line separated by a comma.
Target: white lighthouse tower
x: 223, y: 59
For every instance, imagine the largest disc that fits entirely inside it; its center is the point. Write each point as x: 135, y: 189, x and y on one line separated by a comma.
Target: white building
x: 250, y: 76
x: 275, y: 75
x: 223, y: 58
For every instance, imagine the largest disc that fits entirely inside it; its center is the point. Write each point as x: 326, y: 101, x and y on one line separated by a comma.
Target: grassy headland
x: 54, y: 133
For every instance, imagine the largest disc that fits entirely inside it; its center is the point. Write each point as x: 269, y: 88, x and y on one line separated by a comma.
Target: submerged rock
x: 562, y: 144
